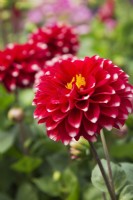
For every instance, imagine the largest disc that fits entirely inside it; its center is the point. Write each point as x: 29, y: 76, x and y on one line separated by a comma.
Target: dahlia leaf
x: 128, y: 168
x: 117, y: 172
x: 127, y: 193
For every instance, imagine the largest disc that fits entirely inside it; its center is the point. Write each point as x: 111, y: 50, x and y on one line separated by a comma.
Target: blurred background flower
x: 75, y: 13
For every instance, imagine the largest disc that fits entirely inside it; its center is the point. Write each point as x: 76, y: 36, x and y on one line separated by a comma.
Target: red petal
x: 89, y: 127
x: 58, y: 115
x: 75, y: 117
x: 104, y: 90
x: 114, y: 101
x: 102, y: 77
x: 50, y: 124
x: 40, y: 112
x: 99, y: 98
x: 127, y: 103
x: 106, y: 122
x: 65, y: 107
x: 119, y: 123
x: 118, y: 85
x: 72, y: 131
x: 111, y: 112
x: 82, y: 105
x: 51, y: 107
x: 93, y: 113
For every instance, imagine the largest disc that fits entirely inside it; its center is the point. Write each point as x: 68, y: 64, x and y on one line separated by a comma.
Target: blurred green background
x: 33, y: 167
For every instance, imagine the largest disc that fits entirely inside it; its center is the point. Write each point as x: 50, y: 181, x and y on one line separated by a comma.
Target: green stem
x: 108, y: 163
x: 104, y: 196
x: 102, y: 170
x: 23, y: 138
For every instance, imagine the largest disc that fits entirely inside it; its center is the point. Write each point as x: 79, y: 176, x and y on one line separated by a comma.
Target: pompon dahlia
x: 81, y: 97
x: 59, y: 38
x: 19, y: 64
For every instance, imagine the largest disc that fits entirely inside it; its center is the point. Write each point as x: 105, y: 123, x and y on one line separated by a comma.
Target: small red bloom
x: 81, y: 97
x: 59, y: 38
x: 19, y: 64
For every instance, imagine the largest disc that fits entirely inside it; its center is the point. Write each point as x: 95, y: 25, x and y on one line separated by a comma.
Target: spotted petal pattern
x: 19, y: 64
x: 60, y: 39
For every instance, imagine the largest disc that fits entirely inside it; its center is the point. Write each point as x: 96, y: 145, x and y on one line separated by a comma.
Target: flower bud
x: 16, y: 114
x: 79, y: 148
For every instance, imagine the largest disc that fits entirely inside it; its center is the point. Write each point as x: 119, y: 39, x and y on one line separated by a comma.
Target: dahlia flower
x: 59, y: 39
x: 80, y: 97
x: 19, y: 64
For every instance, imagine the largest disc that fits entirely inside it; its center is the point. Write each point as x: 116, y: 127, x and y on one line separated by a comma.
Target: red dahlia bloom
x: 80, y: 97
x: 19, y: 64
x: 59, y: 38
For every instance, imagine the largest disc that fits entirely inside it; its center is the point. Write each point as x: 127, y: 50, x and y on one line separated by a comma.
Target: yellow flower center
x: 79, y: 81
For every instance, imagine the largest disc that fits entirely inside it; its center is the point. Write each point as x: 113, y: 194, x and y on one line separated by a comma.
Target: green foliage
x: 117, y: 173
x: 92, y: 193
x: 48, y: 185
x: 26, y: 164
x: 127, y: 193
x: 63, y: 184
x: 7, y: 139
x: 128, y: 168
x: 26, y: 191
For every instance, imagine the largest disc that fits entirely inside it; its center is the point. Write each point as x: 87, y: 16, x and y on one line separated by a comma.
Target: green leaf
x: 119, y: 177
x: 91, y: 193
x: 7, y: 140
x: 70, y: 185
x: 27, y: 164
x: 65, y: 184
x: 74, y: 194
x: 26, y: 192
x: 127, y: 193
x: 128, y: 168
x: 48, y: 185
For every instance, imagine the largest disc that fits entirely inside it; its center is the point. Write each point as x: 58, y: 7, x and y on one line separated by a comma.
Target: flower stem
x: 102, y: 170
x: 104, y: 196
x: 23, y: 138
x: 108, y: 162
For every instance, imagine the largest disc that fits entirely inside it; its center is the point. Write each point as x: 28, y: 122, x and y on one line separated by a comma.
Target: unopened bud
x: 79, y: 149
x: 16, y: 114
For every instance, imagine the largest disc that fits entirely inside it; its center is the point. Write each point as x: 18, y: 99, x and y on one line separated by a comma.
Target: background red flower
x: 59, y: 38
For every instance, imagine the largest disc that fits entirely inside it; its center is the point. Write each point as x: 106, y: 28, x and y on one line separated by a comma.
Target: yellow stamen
x: 69, y: 85
x: 79, y: 81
